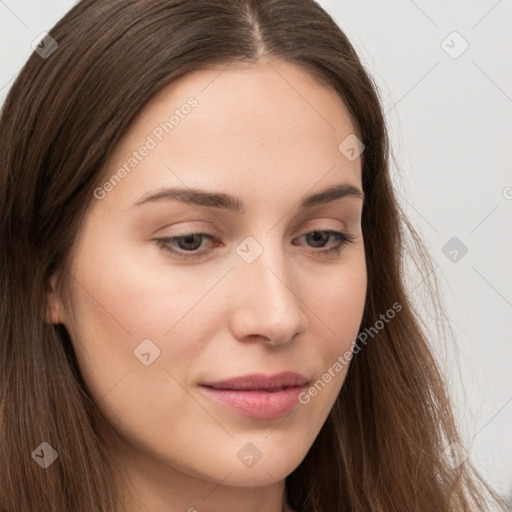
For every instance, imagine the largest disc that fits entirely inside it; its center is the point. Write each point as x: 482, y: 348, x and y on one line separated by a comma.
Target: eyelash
x: 164, y: 243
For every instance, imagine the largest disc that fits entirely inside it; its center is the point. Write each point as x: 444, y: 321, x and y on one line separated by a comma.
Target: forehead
x: 250, y: 124
x: 268, y: 95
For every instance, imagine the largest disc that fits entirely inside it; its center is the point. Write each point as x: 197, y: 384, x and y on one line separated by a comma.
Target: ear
x: 54, y: 307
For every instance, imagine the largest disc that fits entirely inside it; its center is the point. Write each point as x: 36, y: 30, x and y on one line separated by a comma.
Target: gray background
x: 450, y: 117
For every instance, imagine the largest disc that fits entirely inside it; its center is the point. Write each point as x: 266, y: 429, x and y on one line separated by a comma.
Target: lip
x: 258, y: 396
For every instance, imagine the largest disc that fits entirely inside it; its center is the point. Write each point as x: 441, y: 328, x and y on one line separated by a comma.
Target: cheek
x: 127, y: 297
x: 132, y: 370
x: 336, y: 313
x: 338, y: 305
x: 137, y: 333
x: 122, y: 312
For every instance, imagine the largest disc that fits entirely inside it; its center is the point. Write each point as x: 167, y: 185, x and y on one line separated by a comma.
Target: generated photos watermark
x: 344, y: 359
x: 151, y: 142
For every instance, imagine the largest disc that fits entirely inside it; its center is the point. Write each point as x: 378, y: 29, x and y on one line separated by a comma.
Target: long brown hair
x: 381, y: 448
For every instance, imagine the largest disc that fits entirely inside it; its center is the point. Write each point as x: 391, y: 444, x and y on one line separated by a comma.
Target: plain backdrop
x: 444, y: 73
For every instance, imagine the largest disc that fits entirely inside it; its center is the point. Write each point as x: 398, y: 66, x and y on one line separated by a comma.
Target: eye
x: 319, y: 238
x: 188, y: 245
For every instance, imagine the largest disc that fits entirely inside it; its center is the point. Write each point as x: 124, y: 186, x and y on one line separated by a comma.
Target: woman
x: 203, y: 302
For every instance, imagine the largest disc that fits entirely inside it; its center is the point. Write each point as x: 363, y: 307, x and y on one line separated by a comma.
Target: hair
x: 381, y: 448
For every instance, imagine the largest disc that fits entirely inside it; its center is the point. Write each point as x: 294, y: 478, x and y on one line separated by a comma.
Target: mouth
x: 257, y: 395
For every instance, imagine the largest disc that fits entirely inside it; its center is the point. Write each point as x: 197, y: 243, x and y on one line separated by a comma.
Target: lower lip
x: 258, y: 404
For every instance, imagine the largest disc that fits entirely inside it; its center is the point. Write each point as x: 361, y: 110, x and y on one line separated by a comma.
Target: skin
x: 269, y: 134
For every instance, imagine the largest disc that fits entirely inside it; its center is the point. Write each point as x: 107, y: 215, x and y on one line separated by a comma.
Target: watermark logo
x: 249, y: 250
x: 454, y: 249
x: 454, y: 45
x: 45, y: 455
x: 351, y: 147
x: 146, y: 352
x: 454, y: 455
x: 44, y: 45
x: 249, y: 455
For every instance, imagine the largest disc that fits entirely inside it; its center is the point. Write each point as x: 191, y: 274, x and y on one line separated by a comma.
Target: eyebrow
x: 231, y: 203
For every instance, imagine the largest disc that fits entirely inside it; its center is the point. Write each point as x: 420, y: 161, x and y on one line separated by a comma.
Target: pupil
x: 319, y: 236
x: 189, y: 239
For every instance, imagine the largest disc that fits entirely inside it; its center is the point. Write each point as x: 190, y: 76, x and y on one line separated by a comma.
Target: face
x: 201, y: 323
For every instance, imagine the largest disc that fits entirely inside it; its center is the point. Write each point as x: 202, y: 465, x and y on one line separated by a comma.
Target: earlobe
x: 54, y: 310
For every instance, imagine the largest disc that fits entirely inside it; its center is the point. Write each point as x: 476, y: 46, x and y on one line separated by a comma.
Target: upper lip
x: 259, y: 381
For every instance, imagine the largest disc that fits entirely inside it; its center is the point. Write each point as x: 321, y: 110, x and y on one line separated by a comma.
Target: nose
x: 266, y: 300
